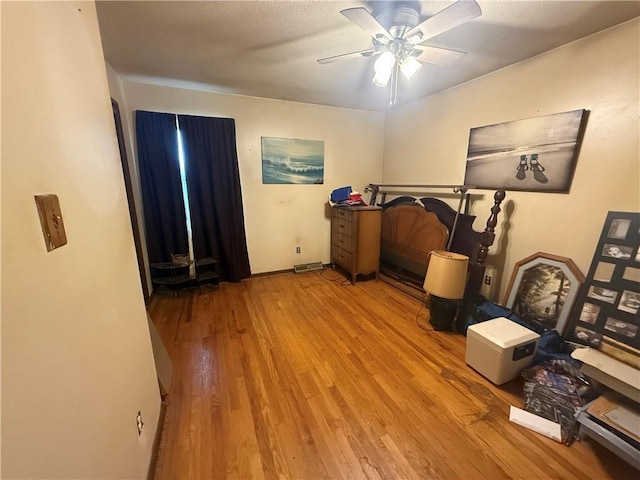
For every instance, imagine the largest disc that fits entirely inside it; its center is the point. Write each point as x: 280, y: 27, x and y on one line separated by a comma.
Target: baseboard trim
x: 155, y: 449
x: 274, y: 272
x: 277, y: 272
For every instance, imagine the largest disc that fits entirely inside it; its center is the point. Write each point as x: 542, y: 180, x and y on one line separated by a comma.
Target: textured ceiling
x: 269, y: 49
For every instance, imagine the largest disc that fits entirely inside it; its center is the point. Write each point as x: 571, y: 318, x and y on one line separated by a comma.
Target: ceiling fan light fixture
x: 410, y: 66
x: 400, y: 38
x: 381, y: 79
x: 385, y: 62
x: 415, y: 37
x: 383, y: 68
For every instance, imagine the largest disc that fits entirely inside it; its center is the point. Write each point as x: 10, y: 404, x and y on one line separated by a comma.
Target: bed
x: 412, y: 226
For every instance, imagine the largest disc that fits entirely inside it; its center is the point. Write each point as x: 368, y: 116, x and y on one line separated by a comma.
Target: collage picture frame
x: 608, y: 307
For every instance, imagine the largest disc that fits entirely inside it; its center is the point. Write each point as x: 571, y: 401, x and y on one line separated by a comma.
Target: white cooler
x: 500, y: 349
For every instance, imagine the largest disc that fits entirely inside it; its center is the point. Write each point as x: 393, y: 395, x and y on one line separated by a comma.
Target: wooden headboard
x: 409, y: 233
x: 412, y: 227
x: 465, y: 238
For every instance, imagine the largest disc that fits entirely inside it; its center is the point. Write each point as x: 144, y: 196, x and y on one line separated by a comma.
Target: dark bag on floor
x: 481, y: 310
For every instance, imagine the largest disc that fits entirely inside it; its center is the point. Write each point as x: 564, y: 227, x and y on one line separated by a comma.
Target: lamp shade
x: 446, y: 275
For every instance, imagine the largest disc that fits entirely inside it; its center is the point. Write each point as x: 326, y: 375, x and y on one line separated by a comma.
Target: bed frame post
x: 374, y: 193
x: 477, y: 265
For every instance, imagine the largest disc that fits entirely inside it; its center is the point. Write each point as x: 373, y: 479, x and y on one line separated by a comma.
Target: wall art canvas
x: 608, y: 306
x: 292, y: 160
x: 542, y: 290
x: 535, y: 154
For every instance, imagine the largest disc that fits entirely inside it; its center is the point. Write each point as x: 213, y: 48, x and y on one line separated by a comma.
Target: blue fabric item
x: 552, y: 346
x: 483, y: 310
x: 340, y: 194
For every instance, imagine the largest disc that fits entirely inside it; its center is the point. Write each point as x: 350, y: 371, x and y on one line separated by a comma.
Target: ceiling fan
x: 399, y: 39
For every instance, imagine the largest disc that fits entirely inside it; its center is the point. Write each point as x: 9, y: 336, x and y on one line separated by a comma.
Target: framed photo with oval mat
x: 543, y: 289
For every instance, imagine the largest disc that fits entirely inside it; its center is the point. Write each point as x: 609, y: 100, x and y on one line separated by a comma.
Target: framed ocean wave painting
x: 292, y: 161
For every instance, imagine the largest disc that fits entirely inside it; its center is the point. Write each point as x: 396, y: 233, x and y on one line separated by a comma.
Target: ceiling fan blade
x: 362, y: 18
x: 438, y: 56
x: 344, y: 56
x: 455, y: 14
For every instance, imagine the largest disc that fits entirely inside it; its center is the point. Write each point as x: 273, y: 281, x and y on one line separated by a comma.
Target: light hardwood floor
x: 304, y: 377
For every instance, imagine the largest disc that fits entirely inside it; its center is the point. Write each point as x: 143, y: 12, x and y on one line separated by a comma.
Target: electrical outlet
x: 297, y: 249
x: 139, y: 422
x: 487, y: 279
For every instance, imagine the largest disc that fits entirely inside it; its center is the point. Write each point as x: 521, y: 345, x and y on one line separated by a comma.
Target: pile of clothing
x: 345, y: 197
x: 556, y: 390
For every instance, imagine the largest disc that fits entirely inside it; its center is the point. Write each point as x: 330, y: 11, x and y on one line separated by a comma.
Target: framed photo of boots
x: 535, y: 154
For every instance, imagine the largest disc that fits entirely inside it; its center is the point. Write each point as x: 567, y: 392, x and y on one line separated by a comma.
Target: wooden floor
x: 305, y: 377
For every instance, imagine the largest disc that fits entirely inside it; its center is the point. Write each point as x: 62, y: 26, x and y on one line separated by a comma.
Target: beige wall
x: 426, y: 142
x: 280, y: 217
x: 77, y: 363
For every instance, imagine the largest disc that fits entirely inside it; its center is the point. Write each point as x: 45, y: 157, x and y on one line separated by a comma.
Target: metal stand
x: 607, y: 438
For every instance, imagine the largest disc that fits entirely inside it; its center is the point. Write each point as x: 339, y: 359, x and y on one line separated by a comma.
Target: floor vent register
x: 307, y: 267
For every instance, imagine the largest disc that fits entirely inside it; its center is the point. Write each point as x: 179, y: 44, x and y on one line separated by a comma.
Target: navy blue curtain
x: 215, y: 196
x: 163, y: 205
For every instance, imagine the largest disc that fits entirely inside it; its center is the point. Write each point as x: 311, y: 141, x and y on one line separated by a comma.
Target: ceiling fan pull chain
x: 393, y: 91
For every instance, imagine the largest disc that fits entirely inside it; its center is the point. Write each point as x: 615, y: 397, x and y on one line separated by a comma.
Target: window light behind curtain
x: 213, y: 183
x: 185, y: 193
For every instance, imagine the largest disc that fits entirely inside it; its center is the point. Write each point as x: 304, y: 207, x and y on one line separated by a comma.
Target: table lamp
x: 445, y: 281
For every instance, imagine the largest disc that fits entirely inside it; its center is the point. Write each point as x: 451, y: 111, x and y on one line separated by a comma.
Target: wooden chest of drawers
x: 355, y: 239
